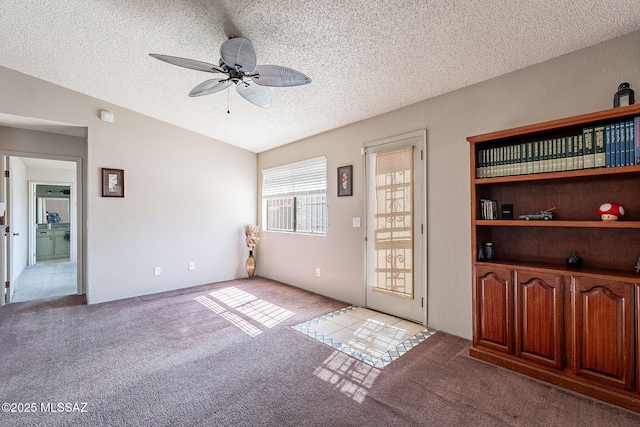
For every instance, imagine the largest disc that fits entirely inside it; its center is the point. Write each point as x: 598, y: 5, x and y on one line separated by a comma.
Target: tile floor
x: 372, y: 337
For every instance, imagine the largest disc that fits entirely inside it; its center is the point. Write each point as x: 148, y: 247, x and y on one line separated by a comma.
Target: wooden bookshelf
x: 576, y: 327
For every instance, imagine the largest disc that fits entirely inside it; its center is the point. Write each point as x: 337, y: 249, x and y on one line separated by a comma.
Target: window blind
x: 300, y: 178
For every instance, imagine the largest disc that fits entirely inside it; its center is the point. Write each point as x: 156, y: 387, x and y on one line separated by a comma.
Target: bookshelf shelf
x: 557, y: 223
x: 560, y: 175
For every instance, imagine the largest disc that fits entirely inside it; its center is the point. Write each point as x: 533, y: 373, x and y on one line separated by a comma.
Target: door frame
x: 419, y: 239
x: 32, y: 214
x: 80, y: 210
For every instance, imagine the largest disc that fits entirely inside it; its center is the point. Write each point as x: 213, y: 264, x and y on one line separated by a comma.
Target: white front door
x: 396, y: 240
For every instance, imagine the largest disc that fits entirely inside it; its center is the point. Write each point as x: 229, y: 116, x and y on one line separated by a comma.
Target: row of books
x: 612, y: 145
x: 488, y: 209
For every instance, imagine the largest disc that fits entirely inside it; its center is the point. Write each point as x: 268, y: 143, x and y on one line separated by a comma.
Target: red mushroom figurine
x: 610, y: 211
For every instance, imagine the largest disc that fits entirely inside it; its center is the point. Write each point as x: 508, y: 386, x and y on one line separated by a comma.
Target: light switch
x: 356, y: 221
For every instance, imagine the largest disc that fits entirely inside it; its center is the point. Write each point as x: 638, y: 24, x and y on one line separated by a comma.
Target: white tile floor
x: 368, y: 335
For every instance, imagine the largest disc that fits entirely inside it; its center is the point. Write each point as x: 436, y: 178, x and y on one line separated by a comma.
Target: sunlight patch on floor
x: 258, y: 309
x: 243, y: 309
x: 232, y: 318
x: 348, y: 375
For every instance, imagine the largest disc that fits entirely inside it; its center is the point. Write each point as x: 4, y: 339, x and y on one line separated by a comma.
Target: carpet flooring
x: 192, y: 358
x: 46, y: 280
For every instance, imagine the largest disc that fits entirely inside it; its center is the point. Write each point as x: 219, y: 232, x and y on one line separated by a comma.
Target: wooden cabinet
x: 575, y: 327
x: 603, y: 341
x: 539, y: 317
x: 493, y: 317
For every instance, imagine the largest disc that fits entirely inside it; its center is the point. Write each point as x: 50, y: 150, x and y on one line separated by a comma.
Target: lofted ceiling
x: 365, y: 57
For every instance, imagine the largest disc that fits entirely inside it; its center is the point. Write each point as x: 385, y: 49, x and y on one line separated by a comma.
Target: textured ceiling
x: 365, y: 57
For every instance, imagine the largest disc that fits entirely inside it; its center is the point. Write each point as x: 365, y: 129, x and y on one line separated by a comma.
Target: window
x: 295, y: 197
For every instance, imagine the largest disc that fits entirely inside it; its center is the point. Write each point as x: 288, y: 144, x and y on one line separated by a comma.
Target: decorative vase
x: 574, y: 261
x: 251, y: 265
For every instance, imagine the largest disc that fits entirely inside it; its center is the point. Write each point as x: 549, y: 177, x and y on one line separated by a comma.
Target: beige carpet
x: 45, y: 280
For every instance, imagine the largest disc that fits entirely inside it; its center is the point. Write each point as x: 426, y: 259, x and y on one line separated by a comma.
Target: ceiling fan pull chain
x: 228, y: 96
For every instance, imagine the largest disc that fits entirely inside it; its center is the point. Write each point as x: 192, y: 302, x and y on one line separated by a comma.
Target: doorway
x: 42, y: 244
x: 396, y: 226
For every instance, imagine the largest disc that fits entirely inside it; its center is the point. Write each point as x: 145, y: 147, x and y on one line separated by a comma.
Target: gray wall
x: 577, y: 83
x: 186, y: 196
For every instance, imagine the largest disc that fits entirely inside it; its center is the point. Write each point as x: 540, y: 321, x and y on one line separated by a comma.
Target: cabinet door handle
x: 16, y: 234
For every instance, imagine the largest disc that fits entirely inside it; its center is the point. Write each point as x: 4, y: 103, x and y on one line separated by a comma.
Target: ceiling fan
x: 238, y: 62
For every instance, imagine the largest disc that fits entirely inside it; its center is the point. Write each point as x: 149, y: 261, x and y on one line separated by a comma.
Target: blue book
x: 631, y: 149
x: 636, y: 138
x: 616, y: 145
x: 607, y: 138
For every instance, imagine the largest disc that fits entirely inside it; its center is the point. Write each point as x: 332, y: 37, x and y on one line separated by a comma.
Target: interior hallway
x: 46, y: 280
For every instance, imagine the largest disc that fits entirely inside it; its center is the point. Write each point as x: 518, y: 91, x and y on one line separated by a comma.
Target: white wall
x: 186, y: 196
x: 577, y: 83
x: 19, y: 214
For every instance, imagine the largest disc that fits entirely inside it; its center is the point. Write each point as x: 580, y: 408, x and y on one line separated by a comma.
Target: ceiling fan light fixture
x: 238, y: 62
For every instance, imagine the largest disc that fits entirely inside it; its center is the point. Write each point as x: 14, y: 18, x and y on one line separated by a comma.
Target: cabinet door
x: 603, y: 331
x: 61, y: 246
x: 539, y: 317
x: 493, y: 308
x: 44, y: 247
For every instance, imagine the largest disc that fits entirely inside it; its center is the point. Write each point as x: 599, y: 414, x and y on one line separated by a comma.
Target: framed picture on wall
x: 112, y: 182
x: 345, y: 181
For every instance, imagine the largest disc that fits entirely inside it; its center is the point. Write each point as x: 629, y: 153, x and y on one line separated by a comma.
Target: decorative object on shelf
x: 638, y: 265
x: 624, y: 96
x: 488, y: 250
x: 345, y: 181
x: 112, y: 182
x: 574, y: 260
x: 545, y: 214
x: 507, y: 211
x: 480, y: 255
x: 610, y: 211
x: 251, y: 237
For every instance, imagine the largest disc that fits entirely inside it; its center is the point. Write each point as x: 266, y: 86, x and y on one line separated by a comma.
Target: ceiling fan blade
x: 188, y: 63
x: 258, y: 95
x: 210, y: 86
x: 277, y: 76
x: 238, y: 53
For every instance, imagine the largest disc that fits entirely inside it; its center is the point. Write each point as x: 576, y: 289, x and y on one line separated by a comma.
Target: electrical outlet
x: 317, y: 272
x: 192, y: 266
x: 157, y: 271
x: 356, y: 221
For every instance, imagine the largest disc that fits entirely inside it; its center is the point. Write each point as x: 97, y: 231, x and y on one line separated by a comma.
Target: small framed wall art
x: 345, y: 181
x: 112, y: 182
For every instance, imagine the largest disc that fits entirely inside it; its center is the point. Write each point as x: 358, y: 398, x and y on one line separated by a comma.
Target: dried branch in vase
x: 251, y: 232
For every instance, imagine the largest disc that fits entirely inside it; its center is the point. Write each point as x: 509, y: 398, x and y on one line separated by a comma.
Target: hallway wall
x: 187, y: 196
